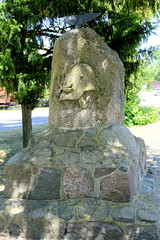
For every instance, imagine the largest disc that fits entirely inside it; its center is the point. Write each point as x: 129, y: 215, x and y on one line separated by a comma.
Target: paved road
x: 10, y: 119
x: 149, y: 99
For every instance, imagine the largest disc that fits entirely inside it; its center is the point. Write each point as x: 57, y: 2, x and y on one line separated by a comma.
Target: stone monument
x: 87, y: 158
x: 87, y: 85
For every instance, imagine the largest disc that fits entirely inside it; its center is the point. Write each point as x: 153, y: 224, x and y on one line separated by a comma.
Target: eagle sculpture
x: 79, y: 20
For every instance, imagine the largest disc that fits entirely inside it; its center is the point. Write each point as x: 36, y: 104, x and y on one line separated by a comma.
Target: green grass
x: 10, y: 143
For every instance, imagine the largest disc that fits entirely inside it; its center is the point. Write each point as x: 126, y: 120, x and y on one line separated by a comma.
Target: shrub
x: 140, y: 115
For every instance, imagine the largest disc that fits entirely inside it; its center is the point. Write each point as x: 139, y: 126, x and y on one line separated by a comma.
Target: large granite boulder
x: 87, y: 82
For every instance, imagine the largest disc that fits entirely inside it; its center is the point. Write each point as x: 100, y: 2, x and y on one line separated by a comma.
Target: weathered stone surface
x: 91, y: 132
x: 123, y: 168
x: 46, y: 185
x: 39, y: 153
x: 123, y: 214
x: 62, y: 211
x: 40, y: 229
x: 99, y: 172
x: 146, y: 188
x: 41, y: 156
x: 110, y: 163
x: 119, y: 136
x: 93, y: 231
x: 114, y: 153
x: 91, y: 156
x: 152, y: 199
x: 156, y: 193
x: 118, y: 187
x: 128, y: 153
x: 33, y: 204
x: 35, y: 229
x: 2, y: 203
x: 143, y: 233
x: 24, y: 208
x: 51, y: 211
x: 100, y: 214
x: 66, y: 212
x: 86, y: 84
x: 149, y: 181
x: 14, y: 229
x: 66, y: 138
x: 78, y: 183
x: 13, y: 160
x: 85, y: 209
x: 152, y: 173
x: 142, y: 154
x: 147, y: 215
x: 67, y: 158
x: 17, y: 180
x: 38, y: 213
x: 142, y: 204
x: 1, y: 224
x: 86, y: 142
x: 124, y: 162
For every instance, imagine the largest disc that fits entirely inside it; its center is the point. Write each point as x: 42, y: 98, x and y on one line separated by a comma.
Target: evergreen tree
x: 24, y: 70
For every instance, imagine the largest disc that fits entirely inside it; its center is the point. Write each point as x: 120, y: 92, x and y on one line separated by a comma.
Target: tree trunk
x: 27, y: 124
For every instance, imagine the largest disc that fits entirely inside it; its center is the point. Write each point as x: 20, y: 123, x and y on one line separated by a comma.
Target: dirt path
x: 150, y: 133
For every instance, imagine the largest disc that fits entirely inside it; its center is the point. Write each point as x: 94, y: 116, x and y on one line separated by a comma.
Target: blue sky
x: 154, y: 39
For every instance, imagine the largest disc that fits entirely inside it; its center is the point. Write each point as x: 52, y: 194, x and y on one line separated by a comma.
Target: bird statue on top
x: 79, y: 20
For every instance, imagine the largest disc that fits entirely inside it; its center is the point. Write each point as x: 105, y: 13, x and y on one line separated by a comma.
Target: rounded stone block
x: 124, y: 214
x: 147, y: 215
x: 66, y: 212
x: 118, y: 187
x: 46, y: 185
x: 78, y: 183
x: 91, y: 156
x: 85, y: 208
x: 40, y: 229
x: 99, y: 172
x: 1, y: 224
x: 117, y: 135
x: 66, y: 138
x: 143, y: 233
x: 93, y: 230
x: 17, y: 180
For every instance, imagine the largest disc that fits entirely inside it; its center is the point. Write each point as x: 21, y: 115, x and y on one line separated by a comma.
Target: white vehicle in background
x: 157, y: 92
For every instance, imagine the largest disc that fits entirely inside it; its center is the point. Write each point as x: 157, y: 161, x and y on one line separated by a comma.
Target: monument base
x: 73, y: 184
x: 59, y: 164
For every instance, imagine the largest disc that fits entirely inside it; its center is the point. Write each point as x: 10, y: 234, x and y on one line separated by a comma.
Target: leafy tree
x: 23, y: 70
x: 149, y: 71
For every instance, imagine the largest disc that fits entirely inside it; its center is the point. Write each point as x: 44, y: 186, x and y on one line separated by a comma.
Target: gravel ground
x: 150, y: 133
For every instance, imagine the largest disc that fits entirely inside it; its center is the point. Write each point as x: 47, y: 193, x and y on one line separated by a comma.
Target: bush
x: 140, y: 115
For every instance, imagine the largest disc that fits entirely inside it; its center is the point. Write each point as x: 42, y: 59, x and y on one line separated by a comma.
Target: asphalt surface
x: 10, y: 119
x: 149, y: 99
x: 150, y: 133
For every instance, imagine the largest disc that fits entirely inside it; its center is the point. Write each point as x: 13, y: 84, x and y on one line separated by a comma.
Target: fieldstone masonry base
x: 85, y: 219
x: 96, y: 163
x: 76, y: 184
